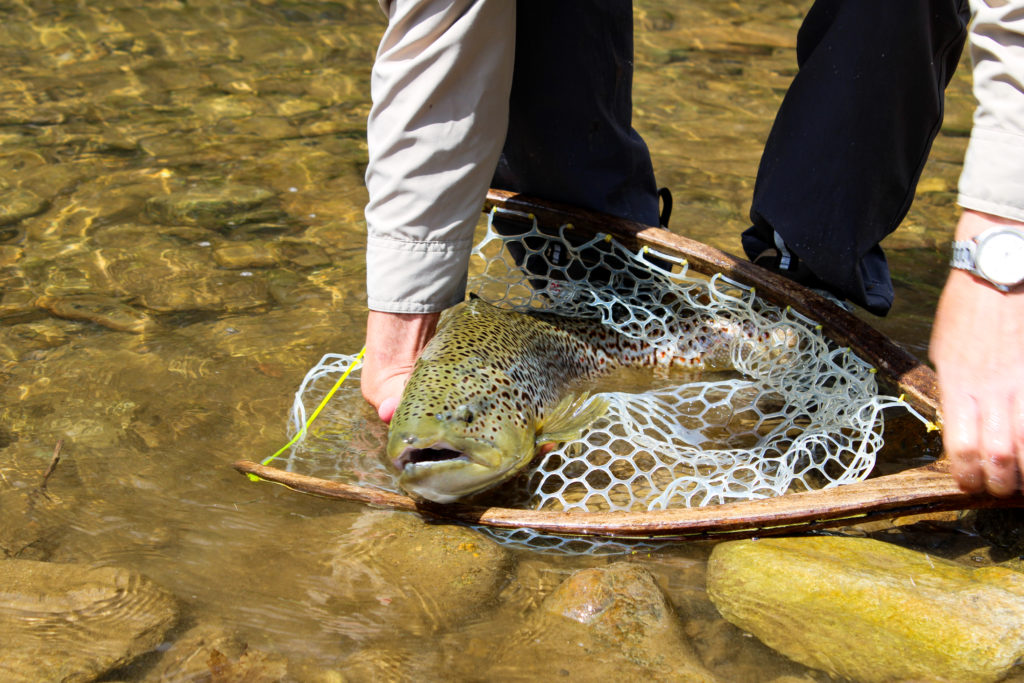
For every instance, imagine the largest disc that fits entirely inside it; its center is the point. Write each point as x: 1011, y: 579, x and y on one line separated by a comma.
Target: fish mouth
x: 443, y: 473
x: 436, y: 453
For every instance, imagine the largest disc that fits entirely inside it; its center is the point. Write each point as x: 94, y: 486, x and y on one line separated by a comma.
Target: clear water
x: 205, y: 313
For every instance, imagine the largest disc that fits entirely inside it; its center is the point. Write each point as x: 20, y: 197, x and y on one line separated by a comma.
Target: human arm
x: 393, y: 341
x: 978, y: 350
x: 440, y: 88
x: 978, y: 338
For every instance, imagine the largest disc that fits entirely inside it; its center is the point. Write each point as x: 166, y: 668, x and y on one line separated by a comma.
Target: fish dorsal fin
x: 569, y: 418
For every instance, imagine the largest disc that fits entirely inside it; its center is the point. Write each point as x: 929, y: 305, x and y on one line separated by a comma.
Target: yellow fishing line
x: 305, y: 427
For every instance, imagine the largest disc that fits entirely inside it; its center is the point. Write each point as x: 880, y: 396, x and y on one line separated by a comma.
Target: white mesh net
x: 794, y: 413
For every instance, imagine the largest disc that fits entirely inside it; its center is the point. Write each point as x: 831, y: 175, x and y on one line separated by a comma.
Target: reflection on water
x: 180, y: 239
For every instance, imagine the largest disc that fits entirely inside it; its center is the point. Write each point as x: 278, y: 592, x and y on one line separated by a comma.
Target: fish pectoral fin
x: 569, y: 418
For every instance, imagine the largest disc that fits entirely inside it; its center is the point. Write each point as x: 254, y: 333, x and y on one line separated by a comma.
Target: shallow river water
x: 181, y: 237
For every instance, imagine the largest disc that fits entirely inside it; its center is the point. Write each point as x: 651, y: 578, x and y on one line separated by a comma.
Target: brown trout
x: 493, y: 386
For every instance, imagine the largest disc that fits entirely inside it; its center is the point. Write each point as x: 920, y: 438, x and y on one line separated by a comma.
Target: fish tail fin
x: 570, y: 417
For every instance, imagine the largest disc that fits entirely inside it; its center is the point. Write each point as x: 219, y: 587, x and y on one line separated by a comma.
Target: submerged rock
x: 237, y: 255
x: 210, y: 652
x: 398, y: 662
x: 224, y: 206
x: 66, y: 622
x: 414, y: 575
x: 1003, y: 527
x: 871, y: 611
x: 106, y: 311
x: 15, y: 304
x: 302, y: 254
x: 16, y: 204
x: 612, y: 622
x: 32, y: 525
x: 10, y: 255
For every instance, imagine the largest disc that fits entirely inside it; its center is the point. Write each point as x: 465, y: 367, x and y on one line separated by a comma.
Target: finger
x: 1018, y: 428
x: 960, y: 439
x: 386, y: 411
x: 998, y: 454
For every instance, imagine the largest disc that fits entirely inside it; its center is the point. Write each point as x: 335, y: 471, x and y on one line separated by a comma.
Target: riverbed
x: 181, y: 238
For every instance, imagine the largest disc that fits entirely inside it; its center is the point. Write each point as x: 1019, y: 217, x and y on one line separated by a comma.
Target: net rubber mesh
x: 795, y: 412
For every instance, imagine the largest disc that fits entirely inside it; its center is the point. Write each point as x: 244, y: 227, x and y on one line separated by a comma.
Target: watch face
x: 1000, y: 256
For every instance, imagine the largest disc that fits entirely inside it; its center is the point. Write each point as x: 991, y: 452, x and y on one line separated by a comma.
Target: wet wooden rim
x: 922, y: 489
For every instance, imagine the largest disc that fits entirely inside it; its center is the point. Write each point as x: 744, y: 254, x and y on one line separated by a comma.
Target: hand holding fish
x: 393, y: 342
x: 978, y: 349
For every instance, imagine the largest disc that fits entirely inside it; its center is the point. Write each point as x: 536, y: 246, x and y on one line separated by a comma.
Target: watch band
x: 1006, y: 271
x: 963, y: 255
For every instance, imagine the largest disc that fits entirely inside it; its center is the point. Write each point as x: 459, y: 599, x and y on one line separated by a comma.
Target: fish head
x: 446, y: 445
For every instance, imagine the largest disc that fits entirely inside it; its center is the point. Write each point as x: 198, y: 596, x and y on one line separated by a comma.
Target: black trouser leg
x: 844, y: 156
x: 570, y: 137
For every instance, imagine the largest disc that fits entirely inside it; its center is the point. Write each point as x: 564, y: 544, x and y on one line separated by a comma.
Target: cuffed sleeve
x: 992, y: 180
x: 440, y: 89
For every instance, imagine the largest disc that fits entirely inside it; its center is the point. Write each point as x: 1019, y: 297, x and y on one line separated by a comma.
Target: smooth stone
x: 401, y: 661
x: 106, y: 311
x: 871, y: 611
x: 261, y: 229
x: 30, y: 116
x: 42, y: 334
x: 611, y: 622
x: 312, y: 129
x: 68, y: 622
x: 302, y: 254
x: 226, y: 107
x: 210, y: 652
x: 416, y: 576
x: 274, y: 45
x: 239, y: 255
x: 134, y: 237
x: 16, y: 204
x: 35, y: 520
x: 66, y: 275
x: 290, y: 289
x: 229, y: 291
x: 47, y: 179
x: 246, y: 336
x: 260, y: 127
x: 172, y: 145
x: 182, y: 278
x: 211, y: 207
x: 681, y: 572
x: 11, y: 234
x: 17, y: 304
x: 622, y: 604
x: 331, y: 86
x: 10, y: 254
x: 296, y: 106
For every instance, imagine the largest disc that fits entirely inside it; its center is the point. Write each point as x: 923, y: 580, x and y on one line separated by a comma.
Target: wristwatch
x: 996, y: 255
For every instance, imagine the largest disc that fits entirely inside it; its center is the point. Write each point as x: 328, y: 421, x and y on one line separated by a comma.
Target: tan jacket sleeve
x: 992, y: 180
x: 440, y: 89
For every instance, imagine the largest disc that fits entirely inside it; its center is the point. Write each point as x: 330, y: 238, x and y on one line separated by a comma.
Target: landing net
x: 796, y: 413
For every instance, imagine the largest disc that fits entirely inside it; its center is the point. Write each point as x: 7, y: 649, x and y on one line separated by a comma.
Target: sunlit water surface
x: 196, y: 170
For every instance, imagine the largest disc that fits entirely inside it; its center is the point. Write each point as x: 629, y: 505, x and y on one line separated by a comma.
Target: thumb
x: 386, y: 410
